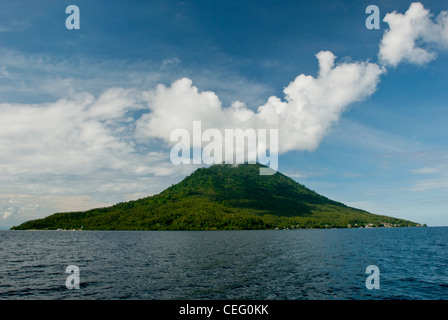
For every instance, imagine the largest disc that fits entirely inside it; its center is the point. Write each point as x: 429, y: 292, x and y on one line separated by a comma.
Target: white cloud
x: 79, y: 137
x: 311, y: 105
x: 426, y: 170
x: 178, y: 106
x: 433, y: 174
x: 413, y: 36
x: 59, y: 137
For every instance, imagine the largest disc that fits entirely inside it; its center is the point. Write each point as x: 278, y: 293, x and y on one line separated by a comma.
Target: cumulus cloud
x: 82, y: 136
x: 414, y: 36
x: 310, y: 107
x: 64, y: 135
x: 313, y: 105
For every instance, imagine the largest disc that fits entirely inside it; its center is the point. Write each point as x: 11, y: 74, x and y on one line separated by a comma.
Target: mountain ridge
x: 222, y: 197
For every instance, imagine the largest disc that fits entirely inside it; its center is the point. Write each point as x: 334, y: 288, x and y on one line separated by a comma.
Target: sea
x: 330, y: 264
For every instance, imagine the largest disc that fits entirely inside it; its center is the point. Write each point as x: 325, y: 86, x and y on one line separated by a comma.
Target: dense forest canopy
x: 222, y: 197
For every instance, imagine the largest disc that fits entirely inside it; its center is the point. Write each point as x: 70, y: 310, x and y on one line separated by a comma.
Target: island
x: 222, y: 197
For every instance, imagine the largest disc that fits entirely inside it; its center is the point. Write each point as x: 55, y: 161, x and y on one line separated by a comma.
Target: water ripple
x: 294, y: 264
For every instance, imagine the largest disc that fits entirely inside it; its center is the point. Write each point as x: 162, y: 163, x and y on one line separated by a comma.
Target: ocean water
x: 250, y: 265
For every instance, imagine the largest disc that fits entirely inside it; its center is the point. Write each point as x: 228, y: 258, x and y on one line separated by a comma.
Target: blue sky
x: 71, y: 100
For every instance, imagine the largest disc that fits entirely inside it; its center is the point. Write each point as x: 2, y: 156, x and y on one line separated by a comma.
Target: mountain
x: 222, y: 197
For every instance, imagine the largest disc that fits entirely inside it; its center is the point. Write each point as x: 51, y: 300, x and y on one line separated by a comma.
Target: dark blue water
x: 287, y: 264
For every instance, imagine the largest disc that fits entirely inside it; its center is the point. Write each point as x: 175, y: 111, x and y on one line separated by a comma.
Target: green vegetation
x: 222, y: 197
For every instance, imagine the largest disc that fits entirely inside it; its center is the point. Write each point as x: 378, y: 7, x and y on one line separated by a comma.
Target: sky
x: 86, y: 114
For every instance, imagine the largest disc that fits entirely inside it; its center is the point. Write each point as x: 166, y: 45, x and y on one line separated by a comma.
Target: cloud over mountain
x: 310, y: 107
